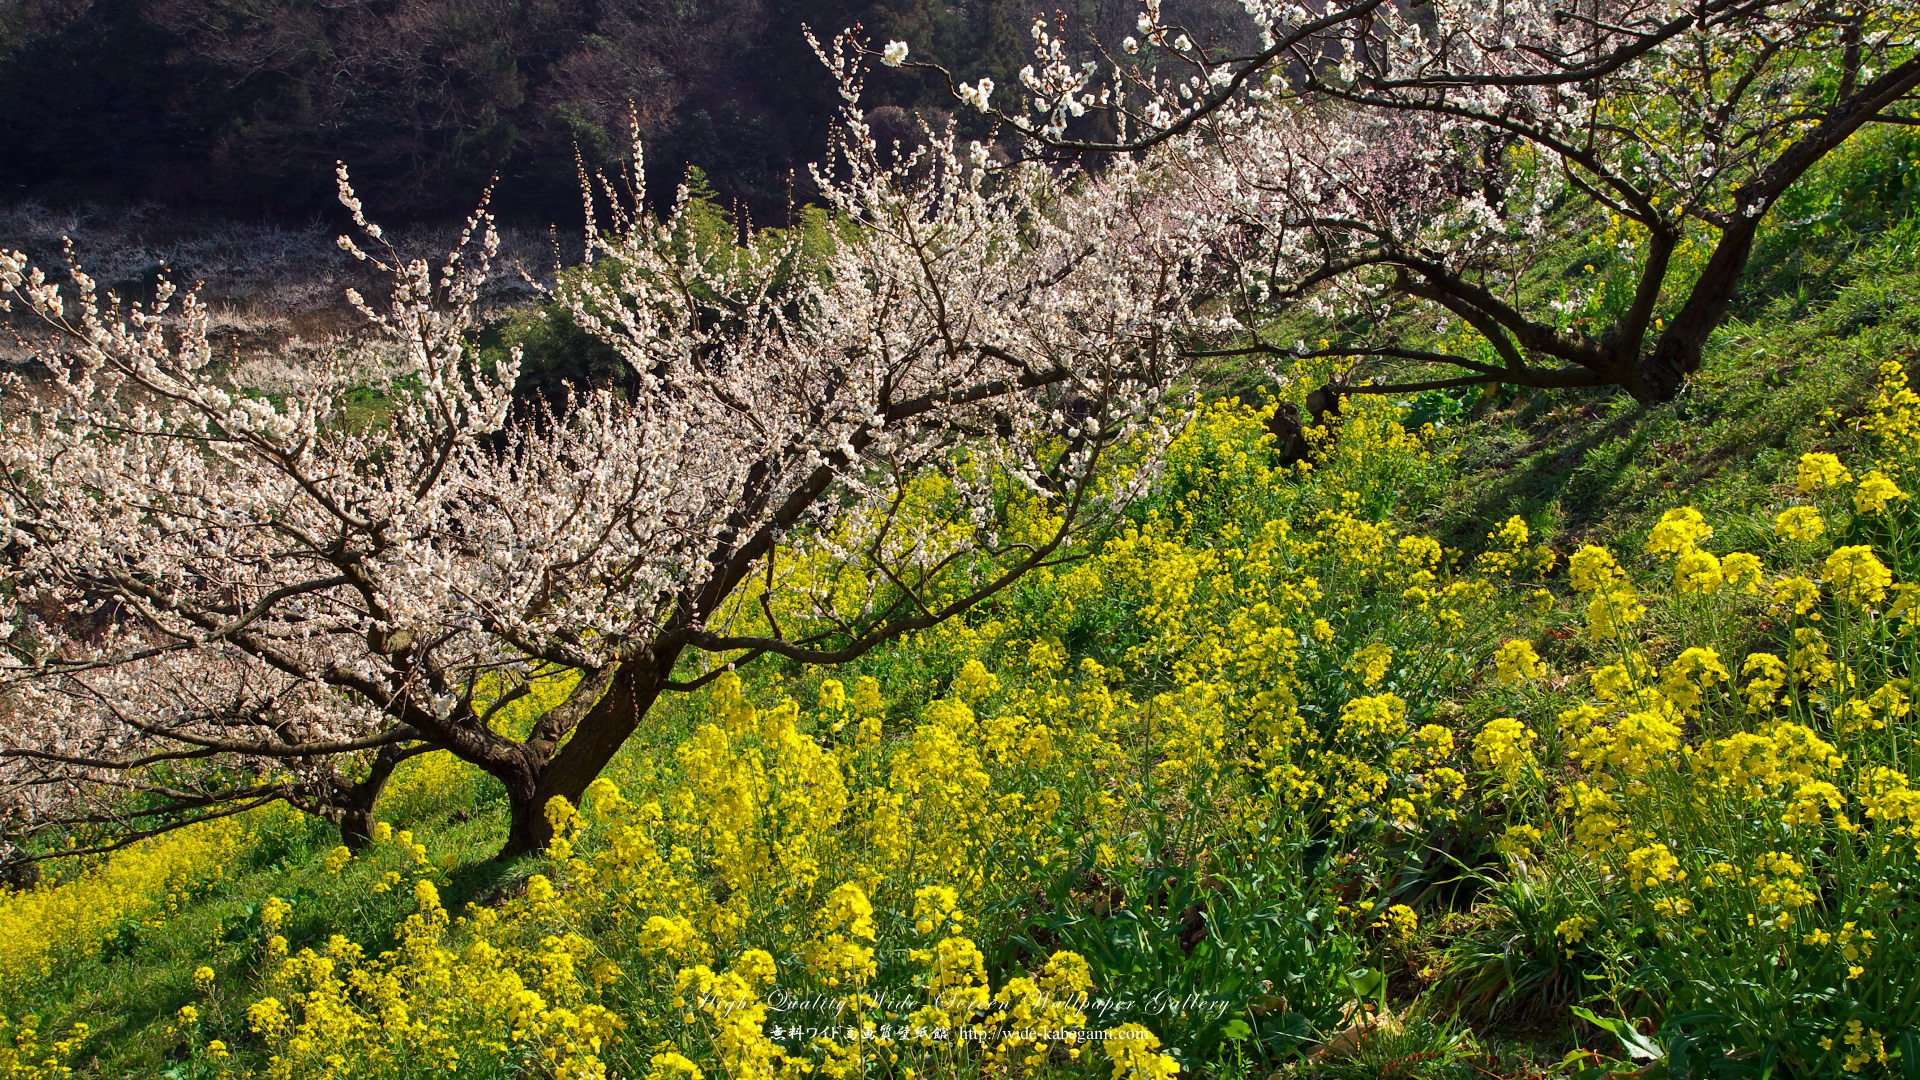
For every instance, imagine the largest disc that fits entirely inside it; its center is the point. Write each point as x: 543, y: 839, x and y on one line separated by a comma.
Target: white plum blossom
x: 979, y: 95
x: 245, y: 598
x: 1375, y: 157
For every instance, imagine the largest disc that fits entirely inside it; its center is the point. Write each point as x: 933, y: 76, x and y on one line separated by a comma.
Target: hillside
x: 1381, y: 545
x: 1509, y: 735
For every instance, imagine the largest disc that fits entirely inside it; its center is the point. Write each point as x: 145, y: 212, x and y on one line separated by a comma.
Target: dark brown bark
x: 596, y: 739
x: 355, y: 805
x: 356, y: 828
x: 1678, y: 352
x: 527, y: 828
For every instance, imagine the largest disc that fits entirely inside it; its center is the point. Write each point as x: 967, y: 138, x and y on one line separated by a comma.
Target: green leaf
x: 1638, y: 1046
x: 1364, y: 981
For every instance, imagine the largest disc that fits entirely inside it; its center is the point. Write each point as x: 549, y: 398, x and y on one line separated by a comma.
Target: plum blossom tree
x: 834, y: 440
x: 1424, y: 164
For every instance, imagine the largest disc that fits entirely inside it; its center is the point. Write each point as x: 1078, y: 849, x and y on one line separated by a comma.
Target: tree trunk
x: 1678, y: 352
x: 594, y: 742
x: 356, y: 829
x: 356, y: 809
x: 1659, y: 376
x: 527, y: 827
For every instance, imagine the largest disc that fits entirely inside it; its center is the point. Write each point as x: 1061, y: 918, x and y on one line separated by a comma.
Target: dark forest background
x: 241, y: 107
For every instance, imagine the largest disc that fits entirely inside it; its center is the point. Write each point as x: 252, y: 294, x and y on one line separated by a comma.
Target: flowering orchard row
x: 1246, y: 750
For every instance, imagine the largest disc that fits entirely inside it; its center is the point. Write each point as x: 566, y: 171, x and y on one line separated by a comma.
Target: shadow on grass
x: 1561, y: 467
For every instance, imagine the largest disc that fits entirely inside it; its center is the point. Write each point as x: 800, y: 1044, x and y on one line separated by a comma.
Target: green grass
x: 1593, y: 466
x: 129, y: 992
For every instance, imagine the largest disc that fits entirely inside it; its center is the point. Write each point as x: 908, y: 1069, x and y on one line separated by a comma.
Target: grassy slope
x: 1829, y: 294
x: 1580, y: 467
x: 129, y: 990
x: 1591, y: 466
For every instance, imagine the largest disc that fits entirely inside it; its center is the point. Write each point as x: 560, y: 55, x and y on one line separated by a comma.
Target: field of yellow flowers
x: 1268, y: 781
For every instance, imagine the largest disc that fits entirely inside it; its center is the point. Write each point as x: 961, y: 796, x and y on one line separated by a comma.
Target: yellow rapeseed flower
x: 1515, y: 662
x: 1678, y: 531
x: 1857, y: 574
x: 1799, y: 523
x: 1818, y: 470
x: 1876, y: 490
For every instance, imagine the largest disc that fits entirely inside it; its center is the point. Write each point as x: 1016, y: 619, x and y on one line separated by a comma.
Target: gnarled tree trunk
x: 565, y: 770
